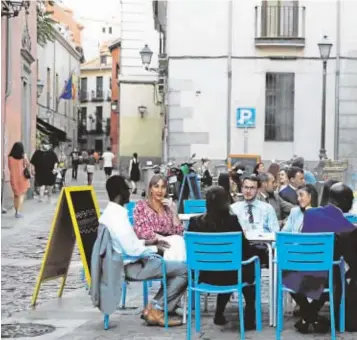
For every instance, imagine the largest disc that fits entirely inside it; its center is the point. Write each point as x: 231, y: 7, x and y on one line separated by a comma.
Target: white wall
x: 56, y: 56
x: 137, y: 29
x: 199, y: 29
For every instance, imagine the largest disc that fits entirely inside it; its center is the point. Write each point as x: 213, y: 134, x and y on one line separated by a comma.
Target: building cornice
x: 114, y: 44
x: 66, y: 45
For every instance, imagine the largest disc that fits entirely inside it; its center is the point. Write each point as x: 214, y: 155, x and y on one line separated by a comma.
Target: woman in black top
x: 218, y: 219
x: 134, y: 171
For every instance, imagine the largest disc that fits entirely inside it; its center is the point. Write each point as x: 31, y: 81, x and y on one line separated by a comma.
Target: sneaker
x: 18, y: 215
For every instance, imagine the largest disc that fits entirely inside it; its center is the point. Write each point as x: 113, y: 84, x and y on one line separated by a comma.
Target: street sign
x: 246, y: 117
x: 76, y: 219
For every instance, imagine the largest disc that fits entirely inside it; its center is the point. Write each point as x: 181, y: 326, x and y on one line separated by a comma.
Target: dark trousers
x: 310, y: 310
x: 249, y: 296
x: 74, y: 170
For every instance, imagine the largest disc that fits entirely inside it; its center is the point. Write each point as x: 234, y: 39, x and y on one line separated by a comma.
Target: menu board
x: 75, y: 219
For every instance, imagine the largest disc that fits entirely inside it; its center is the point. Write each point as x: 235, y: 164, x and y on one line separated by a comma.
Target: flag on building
x: 69, y: 91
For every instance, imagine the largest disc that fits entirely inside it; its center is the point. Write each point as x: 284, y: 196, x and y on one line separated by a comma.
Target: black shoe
x: 302, y: 326
x: 134, y: 191
x: 220, y: 320
x: 321, y: 325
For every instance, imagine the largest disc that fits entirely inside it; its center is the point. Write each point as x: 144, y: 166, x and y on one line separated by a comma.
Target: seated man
x: 125, y: 241
x: 296, y: 179
x: 254, y: 214
x: 311, y: 284
x: 266, y: 194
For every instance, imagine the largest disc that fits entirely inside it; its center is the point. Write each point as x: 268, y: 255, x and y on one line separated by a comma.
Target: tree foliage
x: 45, y: 23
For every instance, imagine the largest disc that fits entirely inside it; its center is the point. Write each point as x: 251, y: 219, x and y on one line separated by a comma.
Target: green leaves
x: 45, y: 29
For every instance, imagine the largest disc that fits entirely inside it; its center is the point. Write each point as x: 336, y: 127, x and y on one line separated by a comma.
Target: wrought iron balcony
x: 97, y: 96
x: 280, y: 25
x: 84, y: 96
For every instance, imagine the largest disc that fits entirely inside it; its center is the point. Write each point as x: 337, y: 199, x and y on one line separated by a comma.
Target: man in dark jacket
x: 267, y: 194
x: 296, y: 179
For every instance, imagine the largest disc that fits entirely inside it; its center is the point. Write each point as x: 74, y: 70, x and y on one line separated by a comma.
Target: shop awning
x: 51, y: 131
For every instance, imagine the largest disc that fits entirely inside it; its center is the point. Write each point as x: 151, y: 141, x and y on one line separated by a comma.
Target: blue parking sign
x: 245, y: 117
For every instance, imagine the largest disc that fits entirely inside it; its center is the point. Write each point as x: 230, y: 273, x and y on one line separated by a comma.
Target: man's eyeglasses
x: 249, y: 188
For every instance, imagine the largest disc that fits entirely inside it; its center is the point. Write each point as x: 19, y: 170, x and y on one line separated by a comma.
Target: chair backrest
x: 194, y: 206
x: 305, y: 252
x: 130, y: 207
x: 213, y: 251
x: 351, y: 218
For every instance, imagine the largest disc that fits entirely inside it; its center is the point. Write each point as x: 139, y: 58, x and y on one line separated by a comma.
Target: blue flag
x: 68, y: 89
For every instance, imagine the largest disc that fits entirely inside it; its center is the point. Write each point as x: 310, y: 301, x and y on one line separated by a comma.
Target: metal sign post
x: 245, y: 118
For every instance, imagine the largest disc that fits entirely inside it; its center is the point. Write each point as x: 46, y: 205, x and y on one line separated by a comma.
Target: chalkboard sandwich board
x: 76, y: 219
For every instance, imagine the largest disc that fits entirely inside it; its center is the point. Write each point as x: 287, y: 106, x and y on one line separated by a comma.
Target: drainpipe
x: 337, y: 80
x: 229, y: 75
x: 8, y: 91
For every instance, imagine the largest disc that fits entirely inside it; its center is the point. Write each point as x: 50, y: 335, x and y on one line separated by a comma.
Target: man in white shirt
x: 125, y: 241
x: 108, y: 157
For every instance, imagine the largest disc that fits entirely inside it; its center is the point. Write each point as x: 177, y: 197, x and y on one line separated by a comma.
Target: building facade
x: 141, y: 114
x: 114, y: 48
x: 95, y: 98
x: 57, y: 61
x: 19, y: 86
x: 260, y: 55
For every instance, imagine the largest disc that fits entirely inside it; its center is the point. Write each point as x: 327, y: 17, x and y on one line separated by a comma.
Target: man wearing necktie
x: 254, y: 214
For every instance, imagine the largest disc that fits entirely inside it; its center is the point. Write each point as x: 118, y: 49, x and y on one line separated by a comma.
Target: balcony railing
x: 282, y: 25
x: 97, y: 96
x: 84, y: 96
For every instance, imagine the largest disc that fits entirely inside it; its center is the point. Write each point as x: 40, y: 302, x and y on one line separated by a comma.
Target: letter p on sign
x: 245, y: 118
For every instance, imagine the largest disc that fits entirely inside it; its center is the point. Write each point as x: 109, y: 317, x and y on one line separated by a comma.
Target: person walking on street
x: 19, y: 175
x: 108, y: 157
x: 75, y: 163
x: 90, y: 167
x: 45, y: 162
x: 134, y: 172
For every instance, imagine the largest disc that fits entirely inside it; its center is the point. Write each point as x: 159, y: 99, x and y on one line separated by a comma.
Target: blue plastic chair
x: 145, y: 287
x: 194, y: 206
x: 351, y: 218
x: 308, y: 252
x: 218, y: 252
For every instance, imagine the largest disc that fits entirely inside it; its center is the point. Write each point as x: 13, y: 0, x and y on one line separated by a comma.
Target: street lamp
x: 146, y: 55
x: 114, y: 106
x: 325, y: 49
x: 40, y: 86
x: 142, y: 109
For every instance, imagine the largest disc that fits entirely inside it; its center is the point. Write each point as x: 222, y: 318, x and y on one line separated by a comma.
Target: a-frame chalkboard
x: 76, y: 219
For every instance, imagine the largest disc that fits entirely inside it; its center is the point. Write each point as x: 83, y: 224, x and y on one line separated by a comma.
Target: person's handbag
x: 26, y: 172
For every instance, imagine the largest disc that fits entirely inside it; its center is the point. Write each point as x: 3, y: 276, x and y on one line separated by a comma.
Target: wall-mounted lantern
x: 115, y: 106
x: 142, y: 109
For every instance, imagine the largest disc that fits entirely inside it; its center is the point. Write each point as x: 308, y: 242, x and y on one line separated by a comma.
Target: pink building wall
x: 11, y: 107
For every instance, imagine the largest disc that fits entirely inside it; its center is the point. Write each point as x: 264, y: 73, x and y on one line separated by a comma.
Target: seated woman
x: 307, y: 198
x: 156, y: 217
x: 219, y: 220
x: 225, y: 182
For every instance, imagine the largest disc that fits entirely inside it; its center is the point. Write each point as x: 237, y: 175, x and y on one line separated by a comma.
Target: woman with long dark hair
x: 225, y: 182
x: 307, y: 198
x: 325, y: 195
x: 258, y: 168
x: 18, y: 162
x: 218, y: 219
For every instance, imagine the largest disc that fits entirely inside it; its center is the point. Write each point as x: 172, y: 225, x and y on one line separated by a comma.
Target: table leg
x: 184, y: 318
x: 271, y: 285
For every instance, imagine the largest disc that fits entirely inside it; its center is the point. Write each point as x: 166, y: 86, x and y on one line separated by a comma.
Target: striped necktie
x: 250, y: 213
